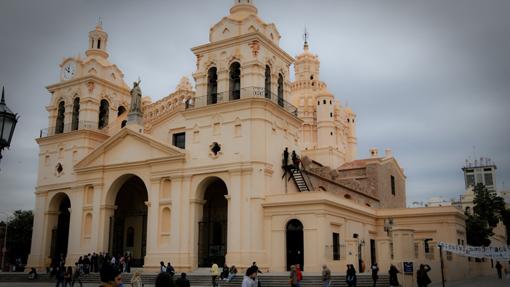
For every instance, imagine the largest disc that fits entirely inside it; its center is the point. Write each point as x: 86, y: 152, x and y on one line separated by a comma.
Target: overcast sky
x: 429, y: 79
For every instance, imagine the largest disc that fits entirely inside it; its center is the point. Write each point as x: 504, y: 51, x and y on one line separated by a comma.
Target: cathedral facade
x: 207, y: 174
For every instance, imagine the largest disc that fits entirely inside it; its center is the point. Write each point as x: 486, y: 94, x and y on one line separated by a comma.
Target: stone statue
x: 136, y: 98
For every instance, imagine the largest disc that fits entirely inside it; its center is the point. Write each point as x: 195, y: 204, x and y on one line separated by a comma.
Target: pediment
x: 130, y: 147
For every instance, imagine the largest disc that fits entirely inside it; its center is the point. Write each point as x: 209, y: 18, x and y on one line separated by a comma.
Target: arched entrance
x: 128, y: 226
x: 61, y: 204
x: 212, y: 235
x: 294, y: 239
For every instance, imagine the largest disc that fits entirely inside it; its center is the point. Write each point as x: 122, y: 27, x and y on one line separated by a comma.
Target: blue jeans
x: 326, y: 283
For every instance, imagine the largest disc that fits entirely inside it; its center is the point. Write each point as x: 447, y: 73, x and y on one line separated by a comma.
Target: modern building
x: 207, y: 174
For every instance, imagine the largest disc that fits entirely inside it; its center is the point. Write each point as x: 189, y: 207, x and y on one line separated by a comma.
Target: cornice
x: 245, y: 38
x: 85, y: 79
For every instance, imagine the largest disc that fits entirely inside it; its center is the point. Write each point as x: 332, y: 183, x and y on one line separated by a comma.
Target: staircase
x: 299, y: 179
x: 267, y: 280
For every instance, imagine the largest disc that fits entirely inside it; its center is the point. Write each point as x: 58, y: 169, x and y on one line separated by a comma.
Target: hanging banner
x: 493, y: 252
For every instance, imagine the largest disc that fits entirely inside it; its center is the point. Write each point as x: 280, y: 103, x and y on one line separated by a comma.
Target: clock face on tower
x: 69, y: 70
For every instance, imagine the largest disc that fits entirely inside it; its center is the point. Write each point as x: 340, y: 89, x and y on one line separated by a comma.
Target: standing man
x: 498, y: 268
x: 375, y: 275
x: 215, y: 271
x: 326, y: 276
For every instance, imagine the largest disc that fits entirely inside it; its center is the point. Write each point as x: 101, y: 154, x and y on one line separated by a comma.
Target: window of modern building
x: 179, y: 140
x: 488, y: 179
x: 336, y: 246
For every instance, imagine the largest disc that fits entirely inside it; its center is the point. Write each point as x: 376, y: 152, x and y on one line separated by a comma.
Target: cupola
x: 98, y: 39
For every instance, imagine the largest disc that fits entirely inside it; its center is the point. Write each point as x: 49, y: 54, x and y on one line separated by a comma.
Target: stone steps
x: 267, y: 280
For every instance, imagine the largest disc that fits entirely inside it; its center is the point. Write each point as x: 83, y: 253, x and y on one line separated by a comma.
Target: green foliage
x: 488, y: 210
x: 19, y: 235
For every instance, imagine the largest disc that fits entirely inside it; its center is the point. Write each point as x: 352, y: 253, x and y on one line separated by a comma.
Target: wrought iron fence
x: 69, y: 127
x: 245, y: 93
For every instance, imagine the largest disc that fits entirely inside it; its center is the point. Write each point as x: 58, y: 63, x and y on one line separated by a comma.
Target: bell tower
x: 98, y: 40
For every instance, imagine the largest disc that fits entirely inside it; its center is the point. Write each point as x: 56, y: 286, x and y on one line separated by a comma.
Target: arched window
x: 268, y: 83
x: 235, y: 81
x: 121, y: 110
x: 130, y: 237
x: 76, y: 114
x: 99, y: 43
x: 280, y: 90
x: 104, y: 108
x: 212, y: 86
x: 59, y: 126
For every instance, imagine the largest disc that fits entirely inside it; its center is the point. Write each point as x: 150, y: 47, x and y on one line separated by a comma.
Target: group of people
x: 229, y: 273
x: 422, y: 277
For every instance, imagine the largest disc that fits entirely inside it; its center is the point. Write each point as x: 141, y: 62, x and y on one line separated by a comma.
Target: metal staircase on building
x: 299, y: 180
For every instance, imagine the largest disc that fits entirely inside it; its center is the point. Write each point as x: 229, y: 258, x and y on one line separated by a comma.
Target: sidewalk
x: 489, y: 281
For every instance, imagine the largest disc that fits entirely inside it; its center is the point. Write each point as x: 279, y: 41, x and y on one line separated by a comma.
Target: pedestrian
x: 295, y: 160
x: 350, y: 276
x: 422, y: 277
x: 76, y: 276
x: 164, y: 280
x: 257, y: 281
x: 393, y: 276
x: 68, y: 276
x: 326, y: 276
x: 32, y: 275
x: 182, y: 281
x: 299, y: 274
x: 375, y: 275
x: 215, y: 271
x: 170, y: 269
x: 136, y: 280
x: 59, y: 275
x: 293, y: 278
x: 162, y: 267
x: 498, y: 268
x: 232, y: 273
x: 249, y: 279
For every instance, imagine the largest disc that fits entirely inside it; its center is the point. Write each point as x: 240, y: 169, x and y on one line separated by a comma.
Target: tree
x: 19, y: 235
x: 488, y: 210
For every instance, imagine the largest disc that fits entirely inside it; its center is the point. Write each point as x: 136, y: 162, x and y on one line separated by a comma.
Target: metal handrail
x: 68, y: 127
x: 244, y: 93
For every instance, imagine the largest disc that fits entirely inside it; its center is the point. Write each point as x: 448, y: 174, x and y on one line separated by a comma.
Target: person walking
x: 350, y: 277
x: 59, y: 275
x: 68, y: 276
x: 393, y: 276
x: 293, y: 278
x: 182, y: 281
x: 77, y: 276
x: 162, y: 267
x: 215, y: 271
x: 299, y: 274
x: 375, y: 273
x: 136, y: 280
x: 326, y: 276
x: 422, y: 277
x: 498, y: 268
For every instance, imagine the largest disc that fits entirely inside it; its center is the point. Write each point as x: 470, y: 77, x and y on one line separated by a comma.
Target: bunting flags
x: 493, y: 252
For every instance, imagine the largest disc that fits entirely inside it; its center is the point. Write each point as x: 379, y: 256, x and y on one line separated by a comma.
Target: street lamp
x: 8, y: 121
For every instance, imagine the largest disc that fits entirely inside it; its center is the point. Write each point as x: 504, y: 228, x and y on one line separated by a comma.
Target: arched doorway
x: 128, y: 226
x: 294, y: 240
x: 212, y: 235
x: 61, y: 205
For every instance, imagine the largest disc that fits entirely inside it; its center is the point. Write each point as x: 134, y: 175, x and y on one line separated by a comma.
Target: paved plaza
x: 491, y: 281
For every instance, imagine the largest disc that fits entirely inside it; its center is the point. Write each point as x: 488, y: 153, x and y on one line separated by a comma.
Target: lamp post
x: 8, y: 121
